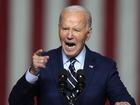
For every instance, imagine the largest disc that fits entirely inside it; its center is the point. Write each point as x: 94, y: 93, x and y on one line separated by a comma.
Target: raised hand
x: 38, y: 62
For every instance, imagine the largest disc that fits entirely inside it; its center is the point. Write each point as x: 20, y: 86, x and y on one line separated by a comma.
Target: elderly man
x: 71, y: 74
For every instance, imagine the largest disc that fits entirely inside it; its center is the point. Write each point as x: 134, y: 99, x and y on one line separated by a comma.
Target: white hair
x: 77, y: 8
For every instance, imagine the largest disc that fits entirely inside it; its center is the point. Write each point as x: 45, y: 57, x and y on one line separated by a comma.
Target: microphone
x: 62, y: 83
x: 81, y: 81
x: 63, y: 88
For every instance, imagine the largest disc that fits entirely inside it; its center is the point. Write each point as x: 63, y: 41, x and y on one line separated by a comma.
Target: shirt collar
x: 80, y: 58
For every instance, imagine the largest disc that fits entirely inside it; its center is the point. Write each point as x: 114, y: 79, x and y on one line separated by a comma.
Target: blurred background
x: 28, y: 25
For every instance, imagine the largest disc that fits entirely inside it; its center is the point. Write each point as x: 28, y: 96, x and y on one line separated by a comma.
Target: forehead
x: 74, y: 18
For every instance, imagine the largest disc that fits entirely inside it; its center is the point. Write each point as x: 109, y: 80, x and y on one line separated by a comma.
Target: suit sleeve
x: 23, y: 93
x: 116, y: 90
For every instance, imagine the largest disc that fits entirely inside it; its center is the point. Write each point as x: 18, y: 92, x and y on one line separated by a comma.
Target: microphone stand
x: 72, y: 98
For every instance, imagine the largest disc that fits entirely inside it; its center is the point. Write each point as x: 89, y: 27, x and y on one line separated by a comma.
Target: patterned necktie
x: 71, y: 78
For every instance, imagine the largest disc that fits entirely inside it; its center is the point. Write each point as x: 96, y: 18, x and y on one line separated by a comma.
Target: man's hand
x: 38, y: 62
x: 122, y: 103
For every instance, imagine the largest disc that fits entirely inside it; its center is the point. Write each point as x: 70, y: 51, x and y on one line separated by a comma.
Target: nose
x: 70, y: 34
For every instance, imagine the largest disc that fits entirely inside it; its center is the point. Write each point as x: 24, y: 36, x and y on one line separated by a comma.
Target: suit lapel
x: 57, y: 64
x: 89, y: 66
x: 57, y: 68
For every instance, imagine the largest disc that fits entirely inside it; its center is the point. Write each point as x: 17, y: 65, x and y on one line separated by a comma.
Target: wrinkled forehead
x: 74, y: 18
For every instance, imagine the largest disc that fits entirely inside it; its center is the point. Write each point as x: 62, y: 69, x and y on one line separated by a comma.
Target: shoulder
x: 103, y: 64
x: 104, y: 59
x: 99, y: 58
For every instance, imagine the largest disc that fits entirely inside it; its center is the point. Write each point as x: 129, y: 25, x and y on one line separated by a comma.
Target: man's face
x: 73, y: 32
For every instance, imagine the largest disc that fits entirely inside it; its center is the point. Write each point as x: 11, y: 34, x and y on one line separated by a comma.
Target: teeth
x: 71, y: 47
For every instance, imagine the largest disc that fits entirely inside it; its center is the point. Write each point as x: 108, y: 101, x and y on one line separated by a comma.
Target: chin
x: 70, y: 54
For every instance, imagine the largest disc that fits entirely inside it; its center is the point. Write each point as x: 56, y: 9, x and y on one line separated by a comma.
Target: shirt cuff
x: 30, y: 77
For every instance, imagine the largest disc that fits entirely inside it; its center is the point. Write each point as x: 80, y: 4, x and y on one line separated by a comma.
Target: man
x: 98, y: 81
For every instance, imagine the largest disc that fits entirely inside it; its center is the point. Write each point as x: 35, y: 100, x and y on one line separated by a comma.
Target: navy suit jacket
x: 101, y: 79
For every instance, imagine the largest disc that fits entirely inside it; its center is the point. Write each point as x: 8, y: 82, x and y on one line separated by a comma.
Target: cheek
x: 82, y: 39
x: 61, y: 36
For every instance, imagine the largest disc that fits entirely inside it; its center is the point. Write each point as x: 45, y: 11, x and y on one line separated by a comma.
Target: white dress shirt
x: 80, y: 59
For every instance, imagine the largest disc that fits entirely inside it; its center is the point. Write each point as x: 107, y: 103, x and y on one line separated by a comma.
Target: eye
x: 77, y: 30
x: 64, y: 28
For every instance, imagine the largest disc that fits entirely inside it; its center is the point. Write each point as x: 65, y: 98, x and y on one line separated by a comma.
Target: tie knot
x: 72, y: 60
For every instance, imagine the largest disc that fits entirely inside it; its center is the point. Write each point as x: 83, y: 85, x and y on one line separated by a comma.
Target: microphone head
x: 63, y: 75
x: 80, y: 75
x: 81, y: 81
x: 80, y: 72
x: 62, y: 84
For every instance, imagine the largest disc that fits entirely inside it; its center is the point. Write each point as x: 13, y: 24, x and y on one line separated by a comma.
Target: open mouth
x: 70, y: 44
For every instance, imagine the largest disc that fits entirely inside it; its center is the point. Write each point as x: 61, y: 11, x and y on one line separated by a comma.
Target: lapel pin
x: 91, y: 66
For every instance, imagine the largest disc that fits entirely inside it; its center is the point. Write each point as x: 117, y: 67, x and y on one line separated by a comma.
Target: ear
x: 89, y: 33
